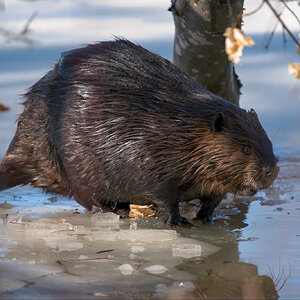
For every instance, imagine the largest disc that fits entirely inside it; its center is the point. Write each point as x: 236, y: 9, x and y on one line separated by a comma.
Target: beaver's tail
x: 10, y: 178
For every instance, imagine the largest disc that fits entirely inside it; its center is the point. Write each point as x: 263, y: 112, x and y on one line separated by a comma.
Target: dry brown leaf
x: 235, y: 42
x: 298, y: 50
x: 3, y: 108
x: 100, y: 294
x: 294, y: 69
x: 141, y: 211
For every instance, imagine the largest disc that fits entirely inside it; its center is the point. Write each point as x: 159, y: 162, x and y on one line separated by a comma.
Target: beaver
x: 114, y: 123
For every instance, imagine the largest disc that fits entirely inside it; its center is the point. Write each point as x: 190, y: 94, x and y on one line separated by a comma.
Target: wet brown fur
x: 113, y: 122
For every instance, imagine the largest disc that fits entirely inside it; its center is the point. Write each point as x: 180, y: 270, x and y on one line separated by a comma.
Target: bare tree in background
x: 9, y: 36
x: 199, y: 44
x: 22, y: 36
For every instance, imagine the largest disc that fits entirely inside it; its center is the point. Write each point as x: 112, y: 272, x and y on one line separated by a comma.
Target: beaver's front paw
x: 204, y: 217
x: 177, y: 220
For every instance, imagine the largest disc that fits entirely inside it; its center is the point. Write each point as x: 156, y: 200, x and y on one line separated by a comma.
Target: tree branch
x: 21, y: 36
x: 291, y: 11
x: 282, y: 23
x: 255, y: 10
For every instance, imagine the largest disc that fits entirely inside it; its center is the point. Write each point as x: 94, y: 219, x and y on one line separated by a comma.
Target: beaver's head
x: 245, y: 162
x: 232, y: 153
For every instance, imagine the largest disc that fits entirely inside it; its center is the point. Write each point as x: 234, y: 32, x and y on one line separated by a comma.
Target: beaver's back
x: 128, y: 116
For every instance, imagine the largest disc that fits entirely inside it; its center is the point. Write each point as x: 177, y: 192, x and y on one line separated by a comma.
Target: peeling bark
x: 199, y: 44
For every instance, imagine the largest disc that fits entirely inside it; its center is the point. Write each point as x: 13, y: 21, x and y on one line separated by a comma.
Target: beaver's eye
x: 246, y: 149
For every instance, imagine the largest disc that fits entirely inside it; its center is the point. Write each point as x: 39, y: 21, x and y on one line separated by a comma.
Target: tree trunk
x: 199, y: 44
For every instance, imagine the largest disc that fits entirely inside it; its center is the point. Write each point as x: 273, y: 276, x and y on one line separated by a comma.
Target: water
x: 57, y: 250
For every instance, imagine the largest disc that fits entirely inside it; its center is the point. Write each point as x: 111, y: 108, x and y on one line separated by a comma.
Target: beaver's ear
x: 253, y: 112
x: 218, y: 122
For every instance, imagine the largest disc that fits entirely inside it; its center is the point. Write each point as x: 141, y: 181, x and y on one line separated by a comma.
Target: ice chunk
x: 186, y: 250
x: 148, y: 235
x: 126, y: 269
x: 13, y: 218
x: 141, y: 235
x: 103, y: 235
x: 137, y: 249
x: 80, y: 229
x: 48, y: 224
x: 99, y: 219
x: 61, y: 235
x: 191, y: 249
x: 156, y: 269
x: 133, y: 226
x: 62, y: 240
x: 50, y: 230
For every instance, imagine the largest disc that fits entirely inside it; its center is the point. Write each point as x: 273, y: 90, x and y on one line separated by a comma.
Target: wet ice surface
x: 49, y: 248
